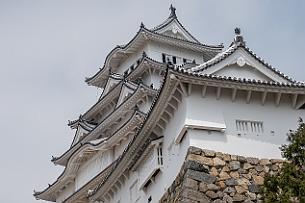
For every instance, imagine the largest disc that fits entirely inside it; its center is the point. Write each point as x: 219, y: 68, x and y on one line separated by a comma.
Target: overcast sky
x: 48, y: 47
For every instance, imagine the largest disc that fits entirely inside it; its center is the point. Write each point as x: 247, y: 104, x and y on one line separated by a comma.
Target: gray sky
x: 47, y: 48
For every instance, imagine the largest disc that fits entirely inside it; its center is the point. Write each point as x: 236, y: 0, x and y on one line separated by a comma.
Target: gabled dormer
x: 167, y: 42
x: 173, y: 28
x: 128, y: 89
x: 238, y: 61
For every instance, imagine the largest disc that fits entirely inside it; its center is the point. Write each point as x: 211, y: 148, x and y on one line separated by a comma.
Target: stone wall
x: 208, y: 176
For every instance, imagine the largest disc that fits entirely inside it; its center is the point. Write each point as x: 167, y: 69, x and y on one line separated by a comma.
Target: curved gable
x: 240, y: 62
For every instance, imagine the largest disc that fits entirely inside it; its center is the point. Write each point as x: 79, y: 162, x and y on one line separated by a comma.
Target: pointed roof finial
x: 142, y: 25
x: 173, y: 11
x: 237, y: 31
x: 144, y: 54
x: 239, y: 40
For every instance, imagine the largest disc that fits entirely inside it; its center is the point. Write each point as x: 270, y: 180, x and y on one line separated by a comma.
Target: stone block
x: 229, y: 190
x: 211, y: 194
x: 200, y: 176
x: 253, y: 161
x: 258, y: 180
x: 253, y: 188
x: 195, y: 165
x: 234, y: 165
x: 201, y: 159
x: 212, y: 187
x: 234, y: 174
x: 264, y: 162
x: 194, y: 195
x: 223, y: 176
x: 194, y: 150
x: 218, y: 162
x: 214, y: 171
x: 239, y: 198
x: 190, y: 183
x: 203, y: 187
x: 247, y: 166
x: 208, y: 153
x: 231, y: 182
x: 240, y: 189
x: 241, y: 159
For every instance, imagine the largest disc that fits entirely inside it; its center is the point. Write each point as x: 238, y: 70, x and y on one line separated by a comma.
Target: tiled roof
x: 234, y: 79
x: 225, y: 54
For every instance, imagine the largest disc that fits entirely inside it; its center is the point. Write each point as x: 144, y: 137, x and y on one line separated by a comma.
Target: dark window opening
x: 163, y: 58
x: 184, y: 60
x: 174, y: 60
x: 147, y: 183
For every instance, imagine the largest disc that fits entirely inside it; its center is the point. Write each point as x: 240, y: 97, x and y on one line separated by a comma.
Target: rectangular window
x: 247, y: 126
x: 174, y: 60
x: 159, y: 155
x: 163, y: 58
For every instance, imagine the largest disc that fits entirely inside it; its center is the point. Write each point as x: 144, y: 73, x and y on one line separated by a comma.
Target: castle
x: 178, y: 121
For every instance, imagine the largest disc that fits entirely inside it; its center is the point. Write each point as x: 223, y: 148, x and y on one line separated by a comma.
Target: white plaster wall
x: 154, y: 79
x: 222, y: 111
x: 124, y: 93
x: 173, y: 158
x: 69, y: 190
x: 265, y: 145
x: 92, y: 167
x: 131, y: 60
x: 245, y: 71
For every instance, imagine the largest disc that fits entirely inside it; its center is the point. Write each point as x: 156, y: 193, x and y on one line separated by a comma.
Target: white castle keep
x: 162, y: 93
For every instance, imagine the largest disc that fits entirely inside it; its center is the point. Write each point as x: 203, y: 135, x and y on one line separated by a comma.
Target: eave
x: 144, y: 64
x: 143, y: 35
x: 232, y: 49
x: 224, y: 81
x: 138, y: 140
x: 130, y: 101
x: 84, y: 151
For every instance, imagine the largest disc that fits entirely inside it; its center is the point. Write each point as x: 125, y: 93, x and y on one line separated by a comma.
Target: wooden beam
x: 300, y: 102
x: 294, y: 100
x: 164, y: 119
x: 248, y: 96
x: 160, y: 126
x: 173, y: 106
x: 278, y: 98
x: 218, y: 93
x: 189, y: 89
x: 264, y: 96
x: 234, y: 93
x: 204, y: 90
x: 168, y: 113
x: 183, y: 89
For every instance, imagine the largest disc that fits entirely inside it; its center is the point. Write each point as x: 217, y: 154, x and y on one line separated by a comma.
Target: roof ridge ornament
x: 142, y: 25
x: 239, y: 40
x: 173, y: 11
